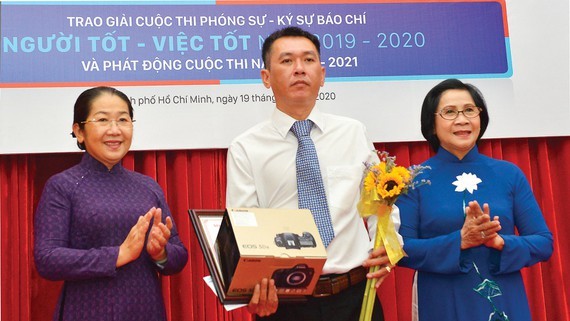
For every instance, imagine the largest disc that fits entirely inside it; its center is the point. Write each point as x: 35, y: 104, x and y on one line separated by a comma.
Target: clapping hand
x: 479, y: 229
x: 158, y: 236
x: 133, y: 244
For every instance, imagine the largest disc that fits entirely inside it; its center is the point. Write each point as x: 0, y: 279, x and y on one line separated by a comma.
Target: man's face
x: 295, y: 74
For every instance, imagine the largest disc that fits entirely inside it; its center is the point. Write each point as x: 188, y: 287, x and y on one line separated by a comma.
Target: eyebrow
x: 106, y: 113
x: 304, y: 53
x: 455, y: 106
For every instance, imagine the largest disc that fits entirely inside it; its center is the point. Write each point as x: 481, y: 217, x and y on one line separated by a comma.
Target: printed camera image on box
x: 281, y: 244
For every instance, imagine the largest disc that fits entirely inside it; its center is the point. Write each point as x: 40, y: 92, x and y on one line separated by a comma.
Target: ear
x: 265, y: 77
x: 78, y: 132
x: 324, y: 71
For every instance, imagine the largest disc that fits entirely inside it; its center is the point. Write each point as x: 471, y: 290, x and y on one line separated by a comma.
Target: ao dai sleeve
x: 176, y: 252
x: 54, y: 259
x: 440, y: 254
x: 534, y: 240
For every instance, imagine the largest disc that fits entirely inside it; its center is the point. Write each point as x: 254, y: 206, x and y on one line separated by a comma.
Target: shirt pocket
x: 344, y: 186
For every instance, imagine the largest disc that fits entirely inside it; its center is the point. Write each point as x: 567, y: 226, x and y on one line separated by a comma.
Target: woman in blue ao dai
x: 459, y: 231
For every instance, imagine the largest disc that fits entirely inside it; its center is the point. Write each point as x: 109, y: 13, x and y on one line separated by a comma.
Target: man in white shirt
x: 261, y: 172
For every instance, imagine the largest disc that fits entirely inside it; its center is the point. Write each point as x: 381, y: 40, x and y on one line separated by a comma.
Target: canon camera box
x: 281, y: 244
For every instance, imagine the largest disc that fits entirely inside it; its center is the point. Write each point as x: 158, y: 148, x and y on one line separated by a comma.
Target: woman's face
x: 107, y: 142
x: 457, y: 136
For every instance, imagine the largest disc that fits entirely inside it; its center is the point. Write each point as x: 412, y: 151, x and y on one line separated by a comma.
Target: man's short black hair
x: 286, y: 32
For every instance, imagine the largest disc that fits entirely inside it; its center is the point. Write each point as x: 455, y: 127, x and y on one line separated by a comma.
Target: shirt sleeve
x: 372, y: 224
x: 53, y: 257
x: 241, y: 190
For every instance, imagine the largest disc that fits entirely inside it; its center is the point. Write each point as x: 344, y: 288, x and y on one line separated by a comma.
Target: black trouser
x: 344, y: 306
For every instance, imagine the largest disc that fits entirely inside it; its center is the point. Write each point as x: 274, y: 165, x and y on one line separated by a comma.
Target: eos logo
x: 249, y: 246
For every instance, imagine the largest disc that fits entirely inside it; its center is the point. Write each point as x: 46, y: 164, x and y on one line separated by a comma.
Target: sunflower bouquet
x: 383, y: 183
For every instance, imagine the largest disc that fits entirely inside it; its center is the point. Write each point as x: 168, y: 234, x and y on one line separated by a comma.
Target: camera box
x: 282, y: 244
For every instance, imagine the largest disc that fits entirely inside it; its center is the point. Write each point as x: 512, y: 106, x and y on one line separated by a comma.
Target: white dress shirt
x: 261, y: 173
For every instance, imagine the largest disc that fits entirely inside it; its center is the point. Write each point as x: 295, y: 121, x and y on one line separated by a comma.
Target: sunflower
x: 390, y: 185
x: 384, y: 181
x: 370, y: 181
x: 403, y: 172
x: 380, y: 168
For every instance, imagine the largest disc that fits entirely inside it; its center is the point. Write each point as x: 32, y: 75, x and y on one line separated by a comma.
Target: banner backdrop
x: 191, y: 68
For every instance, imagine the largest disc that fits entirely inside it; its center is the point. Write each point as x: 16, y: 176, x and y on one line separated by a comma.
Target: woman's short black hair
x: 431, y: 101
x: 286, y: 32
x: 83, y: 104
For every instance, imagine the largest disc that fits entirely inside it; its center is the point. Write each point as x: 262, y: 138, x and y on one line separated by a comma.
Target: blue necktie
x: 309, y: 181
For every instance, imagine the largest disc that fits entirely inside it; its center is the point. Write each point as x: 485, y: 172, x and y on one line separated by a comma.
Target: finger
x: 156, y: 235
x: 491, y: 235
x: 490, y: 225
x: 468, y: 212
x: 476, y: 210
x: 154, y: 245
x: 486, y: 209
x: 490, y: 230
x: 157, y: 217
x: 160, y: 231
x: 472, y: 212
x: 151, y: 235
x: 474, y: 205
x: 140, y: 221
x: 156, y: 250
x: 148, y: 216
x: 377, y: 261
x: 376, y: 257
x: 160, y: 240
x: 136, y: 229
x: 272, y: 294
x: 482, y: 219
x: 272, y: 298
x: 164, y: 231
x: 254, y: 301
x: 169, y: 223
x: 263, y: 292
x: 380, y: 251
x: 384, y: 270
x: 377, y: 253
x: 142, y: 225
x: 380, y: 280
x: 493, y: 229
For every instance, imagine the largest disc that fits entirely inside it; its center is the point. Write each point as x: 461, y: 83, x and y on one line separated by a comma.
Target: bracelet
x: 161, y: 263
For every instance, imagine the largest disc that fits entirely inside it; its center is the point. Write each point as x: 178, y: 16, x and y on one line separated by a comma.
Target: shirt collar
x: 283, y: 122
x: 90, y: 163
x: 445, y: 155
